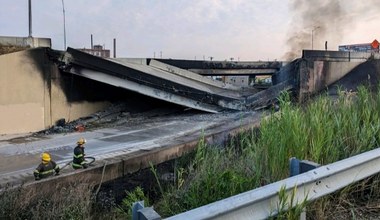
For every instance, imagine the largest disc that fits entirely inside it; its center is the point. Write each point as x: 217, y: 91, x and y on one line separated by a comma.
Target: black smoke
x: 314, y: 23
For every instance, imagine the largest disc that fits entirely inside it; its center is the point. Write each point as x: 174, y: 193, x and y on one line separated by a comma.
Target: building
x: 368, y: 47
x: 242, y: 81
x: 97, y: 51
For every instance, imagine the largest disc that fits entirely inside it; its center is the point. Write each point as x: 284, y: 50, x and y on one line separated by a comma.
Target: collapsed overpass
x: 42, y: 86
x: 166, y: 82
x: 181, y: 82
x: 53, y: 85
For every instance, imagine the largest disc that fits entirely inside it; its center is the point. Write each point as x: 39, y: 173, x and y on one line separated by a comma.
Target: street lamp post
x: 312, y: 36
x: 64, y: 26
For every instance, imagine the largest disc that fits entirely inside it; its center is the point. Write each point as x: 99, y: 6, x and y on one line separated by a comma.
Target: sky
x: 244, y: 30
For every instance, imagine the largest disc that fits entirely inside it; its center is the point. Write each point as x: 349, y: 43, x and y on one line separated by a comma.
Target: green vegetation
x: 136, y: 195
x: 287, y: 201
x: 324, y: 131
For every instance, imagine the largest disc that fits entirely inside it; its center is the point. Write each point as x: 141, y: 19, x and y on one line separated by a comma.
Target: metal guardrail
x: 262, y: 203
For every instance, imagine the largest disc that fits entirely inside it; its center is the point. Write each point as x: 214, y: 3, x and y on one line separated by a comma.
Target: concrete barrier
x: 32, y: 42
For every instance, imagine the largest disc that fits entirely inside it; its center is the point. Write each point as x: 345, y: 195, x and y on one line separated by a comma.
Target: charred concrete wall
x: 320, y: 70
x: 319, y: 75
x: 33, y: 96
x: 23, y: 95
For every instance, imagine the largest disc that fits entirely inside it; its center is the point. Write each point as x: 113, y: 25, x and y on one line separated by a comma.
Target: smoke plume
x: 315, y: 22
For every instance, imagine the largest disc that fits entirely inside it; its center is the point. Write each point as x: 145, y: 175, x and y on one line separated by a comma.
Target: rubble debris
x: 116, y: 111
x: 61, y: 122
x: 115, y: 115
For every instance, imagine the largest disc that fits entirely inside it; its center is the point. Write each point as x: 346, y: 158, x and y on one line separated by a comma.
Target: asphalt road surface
x: 19, y: 157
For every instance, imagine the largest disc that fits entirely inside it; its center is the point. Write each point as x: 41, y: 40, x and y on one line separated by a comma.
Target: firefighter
x: 46, y: 167
x: 78, y: 159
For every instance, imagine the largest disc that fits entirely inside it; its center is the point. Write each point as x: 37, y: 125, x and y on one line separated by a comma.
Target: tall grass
x: 70, y: 202
x: 74, y: 200
x: 324, y: 130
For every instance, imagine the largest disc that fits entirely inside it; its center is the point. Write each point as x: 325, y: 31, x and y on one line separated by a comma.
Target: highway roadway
x: 20, y: 156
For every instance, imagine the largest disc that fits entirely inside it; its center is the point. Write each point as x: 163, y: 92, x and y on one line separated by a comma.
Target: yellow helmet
x: 81, y: 141
x: 45, y: 157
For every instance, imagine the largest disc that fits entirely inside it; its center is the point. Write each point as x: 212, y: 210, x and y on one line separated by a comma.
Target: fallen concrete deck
x: 158, y: 80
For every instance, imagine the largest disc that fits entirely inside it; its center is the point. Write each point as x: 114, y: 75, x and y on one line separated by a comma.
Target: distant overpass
x: 227, y: 68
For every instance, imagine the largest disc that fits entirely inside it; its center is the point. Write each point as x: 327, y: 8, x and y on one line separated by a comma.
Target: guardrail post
x: 139, y: 212
x: 301, y: 166
x: 298, y: 167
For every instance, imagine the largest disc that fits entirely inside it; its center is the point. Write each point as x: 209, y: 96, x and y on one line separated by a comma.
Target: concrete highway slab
x: 18, y: 160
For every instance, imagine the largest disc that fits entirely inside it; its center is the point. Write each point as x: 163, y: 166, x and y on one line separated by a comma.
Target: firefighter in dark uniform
x: 78, y: 159
x: 46, y: 168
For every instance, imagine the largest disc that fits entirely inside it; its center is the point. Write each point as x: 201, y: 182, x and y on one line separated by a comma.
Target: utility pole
x: 64, y: 26
x: 114, y: 48
x: 30, y: 18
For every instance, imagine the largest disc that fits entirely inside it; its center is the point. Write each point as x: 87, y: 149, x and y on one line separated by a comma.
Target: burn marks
x: 367, y: 74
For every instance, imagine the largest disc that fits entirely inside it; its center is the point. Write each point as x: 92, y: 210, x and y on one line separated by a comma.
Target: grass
x: 324, y: 130
x: 74, y: 200
x: 287, y: 201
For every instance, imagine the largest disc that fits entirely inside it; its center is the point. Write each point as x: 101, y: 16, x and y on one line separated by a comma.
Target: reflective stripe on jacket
x: 78, y: 158
x: 46, y: 169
